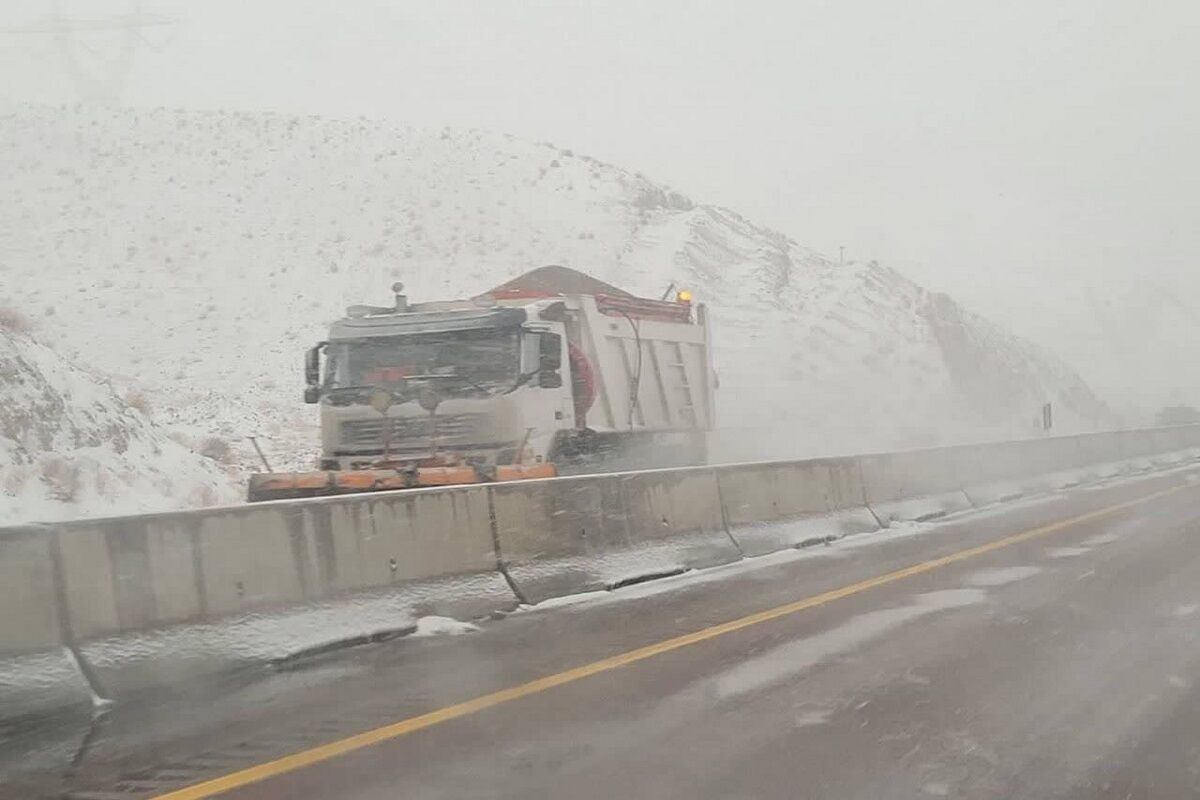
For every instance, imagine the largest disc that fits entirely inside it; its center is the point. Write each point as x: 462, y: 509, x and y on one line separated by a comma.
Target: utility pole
x: 841, y: 254
x: 101, y: 77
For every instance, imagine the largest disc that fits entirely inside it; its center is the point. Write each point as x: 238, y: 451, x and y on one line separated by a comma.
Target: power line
x: 103, y: 78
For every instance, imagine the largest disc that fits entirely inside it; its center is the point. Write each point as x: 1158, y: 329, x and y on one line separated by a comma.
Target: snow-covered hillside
x: 70, y: 446
x: 193, y: 256
x: 1139, y: 338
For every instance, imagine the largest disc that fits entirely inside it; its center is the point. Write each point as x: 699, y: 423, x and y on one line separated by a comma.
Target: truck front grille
x: 411, y: 432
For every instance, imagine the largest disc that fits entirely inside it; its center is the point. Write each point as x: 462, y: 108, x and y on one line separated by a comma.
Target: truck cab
x: 451, y: 383
x: 552, y: 373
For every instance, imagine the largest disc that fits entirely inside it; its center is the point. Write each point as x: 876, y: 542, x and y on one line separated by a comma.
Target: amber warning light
x: 684, y: 296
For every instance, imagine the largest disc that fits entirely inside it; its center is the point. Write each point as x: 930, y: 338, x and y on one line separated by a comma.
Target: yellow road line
x: 325, y: 752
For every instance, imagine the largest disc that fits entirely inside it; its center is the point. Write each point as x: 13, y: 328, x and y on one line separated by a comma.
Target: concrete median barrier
x: 561, y: 537
x: 38, y: 672
x: 1170, y: 446
x: 1033, y: 466
x: 1005, y: 471
x: 679, y: 511
x: 122, y: 607
x: 1101, y: 455
x: 156, y: 600
x: 1055, y: 463
x: 1024, y: 468
x: 918, y: 485
x: 780, y: 505
x: 570, y: 535
x: 1136, y: 448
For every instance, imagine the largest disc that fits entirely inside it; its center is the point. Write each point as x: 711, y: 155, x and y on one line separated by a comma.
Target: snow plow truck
x: 553, y: 373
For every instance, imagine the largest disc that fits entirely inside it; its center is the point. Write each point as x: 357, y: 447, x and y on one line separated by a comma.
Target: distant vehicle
x: 552, y: 373
x: 1177, y: 415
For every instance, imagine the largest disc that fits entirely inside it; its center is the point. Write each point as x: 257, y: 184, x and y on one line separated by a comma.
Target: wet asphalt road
x: 1063, y: 665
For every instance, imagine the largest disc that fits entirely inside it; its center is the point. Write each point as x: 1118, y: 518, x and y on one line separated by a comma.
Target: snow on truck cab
x: 552, y: 373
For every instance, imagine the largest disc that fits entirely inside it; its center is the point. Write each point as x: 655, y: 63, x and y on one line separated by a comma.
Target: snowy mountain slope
x: 193, y: 256
x: 1143, y: 338
x: 1134, y: 339
x: 70, y: 446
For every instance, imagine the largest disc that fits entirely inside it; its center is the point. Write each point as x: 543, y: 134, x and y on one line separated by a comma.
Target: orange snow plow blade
x: 446, y: 476
x: 291, y: 485
x: 524, y: 472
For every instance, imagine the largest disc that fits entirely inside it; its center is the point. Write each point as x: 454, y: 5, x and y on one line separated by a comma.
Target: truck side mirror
x: 550, y: 353
x: 312, y: 375
x: 549, y: 361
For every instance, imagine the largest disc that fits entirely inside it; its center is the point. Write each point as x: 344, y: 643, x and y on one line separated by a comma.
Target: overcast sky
x: 1008, y: 153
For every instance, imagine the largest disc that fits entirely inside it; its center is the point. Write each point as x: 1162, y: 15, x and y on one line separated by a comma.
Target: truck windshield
x: 461, y: 362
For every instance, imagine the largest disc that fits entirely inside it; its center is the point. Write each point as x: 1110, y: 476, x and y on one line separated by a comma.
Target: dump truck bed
x: 652, y: 374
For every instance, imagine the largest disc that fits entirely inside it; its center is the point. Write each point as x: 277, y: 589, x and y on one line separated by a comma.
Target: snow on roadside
x: 443, y: 626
